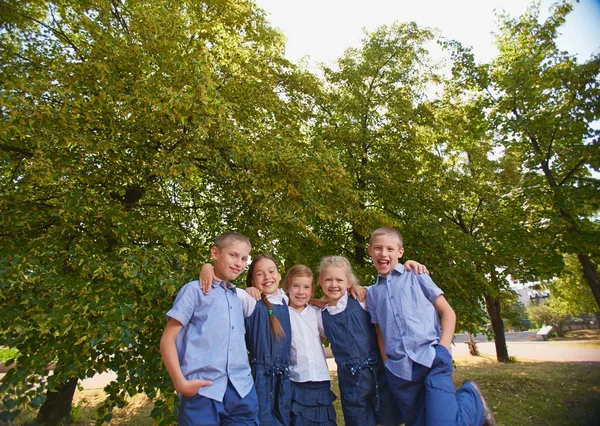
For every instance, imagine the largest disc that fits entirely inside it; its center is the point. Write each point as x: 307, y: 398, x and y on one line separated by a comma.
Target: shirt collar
x: 340, y: 305
x: 399, y: 268
x: 224, y: 284
x: 279, y: 296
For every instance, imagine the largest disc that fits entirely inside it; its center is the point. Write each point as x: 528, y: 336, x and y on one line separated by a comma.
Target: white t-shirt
x: 307, y: 358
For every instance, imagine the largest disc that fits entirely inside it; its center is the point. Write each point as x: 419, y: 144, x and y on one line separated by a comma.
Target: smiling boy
x: 416, y: 350
x: 203, y: 346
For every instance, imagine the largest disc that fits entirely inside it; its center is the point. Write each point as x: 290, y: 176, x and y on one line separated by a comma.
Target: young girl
x: 268, y: 338
x: 312, y: 398
x: 365, y: 395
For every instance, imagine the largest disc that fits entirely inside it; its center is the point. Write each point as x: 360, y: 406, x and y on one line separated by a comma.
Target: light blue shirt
x: 211, y: 345
x: 402, y: 304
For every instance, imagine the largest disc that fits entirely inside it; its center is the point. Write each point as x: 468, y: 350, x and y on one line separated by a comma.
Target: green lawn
x: 520, y: 394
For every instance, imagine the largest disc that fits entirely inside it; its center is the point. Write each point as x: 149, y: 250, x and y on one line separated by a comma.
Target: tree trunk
x: 591, y: 275
x: 56, y: 411
x: 493, y: 309
x: 359, y: 248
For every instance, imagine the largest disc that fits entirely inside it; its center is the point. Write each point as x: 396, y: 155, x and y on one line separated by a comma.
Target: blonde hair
x: 229, y: 238
x: 386, y: 231
x: 296, y: 271
x: 276, y: 327
x: 338, y: 262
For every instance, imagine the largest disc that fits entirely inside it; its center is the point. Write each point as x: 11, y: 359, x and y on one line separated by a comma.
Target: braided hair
x: 276, y: 327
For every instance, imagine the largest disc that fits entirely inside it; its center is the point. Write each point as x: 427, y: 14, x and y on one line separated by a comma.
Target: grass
x: 520, y: 394
x: 580, y: 338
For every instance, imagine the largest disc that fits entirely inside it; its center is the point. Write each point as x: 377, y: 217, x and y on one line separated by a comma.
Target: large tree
x: 377, y: 117
x: 133, y: 132
x: 543, y: 105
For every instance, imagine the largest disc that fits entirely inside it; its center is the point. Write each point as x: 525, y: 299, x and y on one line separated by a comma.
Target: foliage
x: 570, y: 290
x: 132, y: 134
x: 542, y: 105
x: 548, y: 314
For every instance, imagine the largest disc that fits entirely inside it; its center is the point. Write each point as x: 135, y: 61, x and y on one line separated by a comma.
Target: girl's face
x: 265, y: 276
x: 300, y: 291
x: 335, y: 284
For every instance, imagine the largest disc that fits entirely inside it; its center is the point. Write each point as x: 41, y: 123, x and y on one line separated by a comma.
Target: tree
x: 543, y: 104
x: 132, y: 134
x: 571, y: 292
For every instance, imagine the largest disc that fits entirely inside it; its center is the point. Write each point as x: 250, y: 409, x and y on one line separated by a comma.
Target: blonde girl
x: 364, y: 392
x: 312, y: 398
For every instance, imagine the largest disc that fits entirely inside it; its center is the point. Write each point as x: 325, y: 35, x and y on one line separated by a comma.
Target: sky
x: 318, y: 31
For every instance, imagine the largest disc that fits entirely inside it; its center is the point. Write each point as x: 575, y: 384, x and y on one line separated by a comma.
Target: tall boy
x: 203, y: 344
x: 417, y: 357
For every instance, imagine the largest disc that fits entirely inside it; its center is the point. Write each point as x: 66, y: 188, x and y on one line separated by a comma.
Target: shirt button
x: 397, y: 315
x: 232, y: 327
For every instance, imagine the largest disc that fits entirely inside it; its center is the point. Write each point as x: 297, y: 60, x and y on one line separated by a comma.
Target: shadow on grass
x: 520, y: 394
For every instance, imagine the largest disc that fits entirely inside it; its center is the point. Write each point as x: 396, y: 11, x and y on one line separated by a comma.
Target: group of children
x: 256, y: 356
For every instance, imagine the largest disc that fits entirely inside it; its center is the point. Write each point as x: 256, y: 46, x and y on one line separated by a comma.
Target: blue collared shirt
x: 402, y: 304
x: 211, y: 345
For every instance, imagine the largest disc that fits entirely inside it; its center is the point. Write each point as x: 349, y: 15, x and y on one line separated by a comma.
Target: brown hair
x: 338, y: 262
x: 386, y: 231
x: 276, y: 327
x: 228, y: 238
x: 296, y: 271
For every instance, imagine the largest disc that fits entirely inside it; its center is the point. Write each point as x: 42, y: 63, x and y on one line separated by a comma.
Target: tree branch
x: 572, y: 172
x: 22, y: 151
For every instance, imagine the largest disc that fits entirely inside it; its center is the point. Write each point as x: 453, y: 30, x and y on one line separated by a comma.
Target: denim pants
x: 430, y: 397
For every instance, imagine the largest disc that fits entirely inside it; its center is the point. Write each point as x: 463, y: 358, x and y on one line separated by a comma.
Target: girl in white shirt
x: 312, y: 398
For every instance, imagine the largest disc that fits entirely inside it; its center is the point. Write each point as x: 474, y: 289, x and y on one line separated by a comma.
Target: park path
x: 523, y: 351
x: 536, y: 351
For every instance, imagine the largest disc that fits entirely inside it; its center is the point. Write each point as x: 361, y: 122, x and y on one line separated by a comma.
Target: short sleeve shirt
x: 402, y: 304
x: 211, y: 344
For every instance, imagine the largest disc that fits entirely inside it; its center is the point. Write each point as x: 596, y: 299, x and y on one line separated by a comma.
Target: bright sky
x: 323, y: 29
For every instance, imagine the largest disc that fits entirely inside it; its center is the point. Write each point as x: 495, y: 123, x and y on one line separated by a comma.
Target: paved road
x: 523, y: 351
x: 536, y: 351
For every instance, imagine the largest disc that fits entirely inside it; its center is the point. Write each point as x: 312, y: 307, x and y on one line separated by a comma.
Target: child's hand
x: 358, y: 292
x: 207, y: 274
x: 419, y: 268
x: 318, y: 303
x: 253, y: 291
x: 190, y: 387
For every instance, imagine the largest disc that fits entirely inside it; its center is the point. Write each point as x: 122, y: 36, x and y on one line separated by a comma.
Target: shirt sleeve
x: 248, y: 302
x: 185, y: 303
x: 428, y: 287
x: 320, y: 323
x: 371, y: 305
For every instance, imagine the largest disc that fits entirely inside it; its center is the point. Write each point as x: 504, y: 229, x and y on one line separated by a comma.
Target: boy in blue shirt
x: 203, y: 344
x: 405, y: 307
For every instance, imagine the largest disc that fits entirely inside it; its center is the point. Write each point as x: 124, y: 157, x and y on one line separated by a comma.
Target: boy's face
x: 334, y: 282
x: 231, y: 260
x: 265, y: 276
x: 300, y: 291
x: 385, y: 251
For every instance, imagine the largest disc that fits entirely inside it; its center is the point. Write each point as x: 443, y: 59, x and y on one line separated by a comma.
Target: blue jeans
x: 431, y: 399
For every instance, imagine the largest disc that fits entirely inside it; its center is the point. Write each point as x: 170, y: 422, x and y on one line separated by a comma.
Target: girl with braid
x: 268, y: 338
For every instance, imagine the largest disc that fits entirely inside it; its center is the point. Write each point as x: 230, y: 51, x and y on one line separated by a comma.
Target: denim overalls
x: 269, y: 362
x: 366, y: 398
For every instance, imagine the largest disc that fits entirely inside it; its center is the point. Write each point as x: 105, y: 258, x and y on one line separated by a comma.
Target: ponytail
x: 276, y: 327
